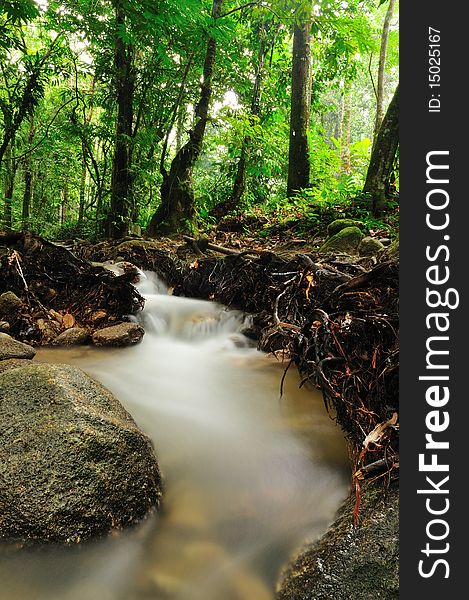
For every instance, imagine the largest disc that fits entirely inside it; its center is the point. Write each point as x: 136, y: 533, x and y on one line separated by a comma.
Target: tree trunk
x: 345, y: 141
x: 28, y: 179
x: 382, y: 157
x: 381, y: 69
x: 8, y: 187
x: 239, y: 184
x: 121, y: 182
x: 298, y: 160
x: 177, y: 208
x: 27, y: 195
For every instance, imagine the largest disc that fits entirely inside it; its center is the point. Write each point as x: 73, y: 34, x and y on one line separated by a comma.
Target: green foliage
x: 66, y: 130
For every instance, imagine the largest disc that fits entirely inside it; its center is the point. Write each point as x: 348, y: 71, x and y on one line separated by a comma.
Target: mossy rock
x: 370, y: 247
x: 350, y: 562
x: 340, y: 224
x: 73, y: 463
x: 10, y: 304
x: 346, y: 241
x: 392, y: 251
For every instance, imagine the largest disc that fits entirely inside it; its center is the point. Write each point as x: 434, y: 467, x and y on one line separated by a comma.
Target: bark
x: 28, y: 179
x: 381, y: 69
x: 9, y: 183
x: 299, y: 160
x: 239, y: 184
x: 27, y: 195
x: 177, y: 208
x: 121, y: 182
x: 345, y: 141
x: 382, y: 157
x: 82, y: 195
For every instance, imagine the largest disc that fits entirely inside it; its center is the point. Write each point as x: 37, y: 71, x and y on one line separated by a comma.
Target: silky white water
x: 248, y: 475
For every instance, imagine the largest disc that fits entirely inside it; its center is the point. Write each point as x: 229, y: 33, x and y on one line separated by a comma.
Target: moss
x: 345, y: 241
x: 340, y: 224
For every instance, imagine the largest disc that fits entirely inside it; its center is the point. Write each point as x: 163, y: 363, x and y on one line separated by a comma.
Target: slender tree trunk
x: 27, y: 195
x: 299, y: 160
x: 177, y: 208
x: 382, y: 157
x: 28, y: 178
x: 180, y: 128
x: 239, y: 185
x: 8, y: 186
x: 381, y: 69
x: 345, y: 141
x: 121, y: 183
x: 65, y: 203
x: 82, y: 195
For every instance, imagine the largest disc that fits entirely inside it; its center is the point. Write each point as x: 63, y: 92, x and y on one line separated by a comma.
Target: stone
x: 370, y: 247
x: 98, y: 316
x: 346, y: 241
x: 10, y: 304
x: 75, y: 336
x: 11, y: 348
x: 4, y: 327
x: 385, y: 241
x: 340, y: 224
x: 13, y: 363
x: 351, y: 562
x: 392, y: 251
x: 73, y: 463
x: 48, y: 328
x: 124, y: 334
x: 68, y: 321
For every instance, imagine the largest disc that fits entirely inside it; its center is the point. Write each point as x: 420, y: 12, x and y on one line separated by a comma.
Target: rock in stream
x: 73, y: 463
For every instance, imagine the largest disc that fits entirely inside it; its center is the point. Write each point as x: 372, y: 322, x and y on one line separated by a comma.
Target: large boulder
x: 346, y: 241
x: 340, y: 224
x: 350, y: 562
x: 124, y: 334
x: 13, y: 363
x: 73, y: 463
x: 11, y: 348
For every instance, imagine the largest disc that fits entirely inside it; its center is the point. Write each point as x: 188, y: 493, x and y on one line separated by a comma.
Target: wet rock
x: 370, y: 247
x: 73, y: 463
x: 10, y: 304
x: 13, y: 363
x: 48, y: 329
x: 4, y: 327
x: 345, y: 241
x: 340, y: 224
x: 348, y: 562
x: 74, y: 336
x: 11, y: 348
x: 124, y: 334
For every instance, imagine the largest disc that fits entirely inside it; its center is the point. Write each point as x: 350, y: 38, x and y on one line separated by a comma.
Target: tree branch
x: 47, y: 131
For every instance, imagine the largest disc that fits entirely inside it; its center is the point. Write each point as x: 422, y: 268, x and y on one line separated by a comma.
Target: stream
x: 249, y: 475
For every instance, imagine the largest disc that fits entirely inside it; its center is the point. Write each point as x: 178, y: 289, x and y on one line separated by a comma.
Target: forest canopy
x: 160, y: 116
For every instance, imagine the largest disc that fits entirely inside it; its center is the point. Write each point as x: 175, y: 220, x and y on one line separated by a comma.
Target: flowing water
x: 249, y: 475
